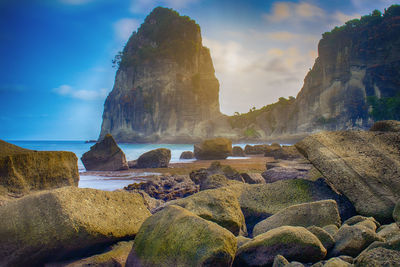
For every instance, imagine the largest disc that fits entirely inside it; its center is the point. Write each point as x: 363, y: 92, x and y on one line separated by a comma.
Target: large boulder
x: 293, y: 243
x: 326, y: 239
x: 378, y: 257
x: 178, y: 237
x: 211, y: 149
x: 67, y: 222
x: 237, y: 151
x: 319, y: 213
x: 220, y: 206
x: 386, y: 126
x: 157, y: 158
x: 187, y: 155
x: 364, y: 166
x: 22, y: 170
x: 105, y: 155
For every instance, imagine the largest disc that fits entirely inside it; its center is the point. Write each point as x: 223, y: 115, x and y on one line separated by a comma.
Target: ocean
x: 106, y: 181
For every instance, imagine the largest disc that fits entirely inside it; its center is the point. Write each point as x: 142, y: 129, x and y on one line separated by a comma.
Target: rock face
x: 22, y: 170
x: 386, y: 126
x: 319, y: 213
x: 157, y: 158
x: 211, y: 149
x: 364, y: 166
x: 177, y: 237
x: 165, y: 89
x: 105, y: 156
x: 53, y: 225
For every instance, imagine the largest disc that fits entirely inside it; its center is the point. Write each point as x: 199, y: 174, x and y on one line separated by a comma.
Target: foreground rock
x: 364, y: 166
x: 187, y: 155
x: 219, y: 206
x: 105, y: 156
x: 22, y: 170
x: 157, y: 158
x: 166, y: 187
x: 319, y: 213
x: 212, y: 149
x: 293, y: 243
x: 177, y: 237
x: 283, y: 173
x: 378, y: 257
x: 326, y: 239
x: 386, y: 126
x: 53, y: 225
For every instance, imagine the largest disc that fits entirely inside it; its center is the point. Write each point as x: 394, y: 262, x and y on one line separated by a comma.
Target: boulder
x: 260, y: 201
x: 272, y: 175
x: 166, y: 187
x: 389, y: 232
x: 216, y: 181
x: 336, y: 262
x: 105, y: 155
x: 396, y: 213
x: 326, y: 239
x: 157, y: 158
x: 212, y: 149
x: 241, y: 240
x: 230, y: 173
x: 255, y: 150
x: 368, y: 222
x: 22, y: 170
x: 67, y: 222
x: 253, y: 178
x: 386, y: 126
x: 219, y: 206
x: 237, y: 151
x: 319, y: 213
x: 116, y: 256
x: 364, y: 166
x: 187, y: 155
x: 280, y: 261
x: 284, y: 152
x: 378, y: 257
x: 293, y: 243
x: 331, y: 229
x: 351, y: 240
x: 178, y: 237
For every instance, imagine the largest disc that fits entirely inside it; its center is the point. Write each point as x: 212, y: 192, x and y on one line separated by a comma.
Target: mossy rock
x: 178, y: 237
x: 157, y: 158
x: 66, y: 222
x: 210, y: 149
x: 220, y: 206
x: 293, y: 243
x: 326, y: 239
x: 23, y: 170
x: 318, y: 213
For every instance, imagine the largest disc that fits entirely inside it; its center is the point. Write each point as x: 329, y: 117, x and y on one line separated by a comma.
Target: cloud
x: 340, y: 18
x: 76, y: 2
x: 67, y: 90
x: 144, y: 6
x: 125, y: 27
x: 282, y: 11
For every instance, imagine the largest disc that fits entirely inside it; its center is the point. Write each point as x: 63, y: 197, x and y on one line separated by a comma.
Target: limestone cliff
x: 356, y: 62
x: 165, y: 88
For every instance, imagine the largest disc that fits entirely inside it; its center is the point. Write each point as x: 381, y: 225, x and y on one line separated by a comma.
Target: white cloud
x: 282, y: 11
x: 125, y: 27
x: 340, y: 18
x: 67, y: 90
x: 75, y: 2
x: 144, y: 6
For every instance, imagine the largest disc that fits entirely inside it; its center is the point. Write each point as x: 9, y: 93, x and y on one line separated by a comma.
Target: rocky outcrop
x: 157, y: 158
x: 23, y: 170
x: 105, y: 156
x: 212, y: 149
x: 386, y: 126
x: 165, y: 88
x: 178, y: 237
x: 364, y: 166
x: 66, y: 222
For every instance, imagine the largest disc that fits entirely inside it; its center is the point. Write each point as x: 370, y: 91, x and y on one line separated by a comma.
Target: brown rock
x: 386, y: 126
x: 187, y: 155
x: 210, y: 149
x: 157, y: 158
x: 237, y: 151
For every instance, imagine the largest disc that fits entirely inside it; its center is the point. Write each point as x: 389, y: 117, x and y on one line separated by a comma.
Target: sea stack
x: 165, y: 88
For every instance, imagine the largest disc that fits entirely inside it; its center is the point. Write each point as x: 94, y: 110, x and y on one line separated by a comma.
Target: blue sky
x: 56, y: 55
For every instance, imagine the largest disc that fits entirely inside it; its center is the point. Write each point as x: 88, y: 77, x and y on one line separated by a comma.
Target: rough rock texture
x: 396, y: 213
x: 157, y: 158
x: 378, y: 257
x: 22, y: 170
x: 241, y: 240
x: 253, y: 178
x: 210, y: 149
x: 65, y: 222
x: 368, y: 222
x: 364, y: 166
x: 187, y: 155
x: 165, y: 89
x: 293, y: 243
x: 283, y: 173
x: 389, y: 232
x: 280, y: 261
x: 255, y: 150
x: 219, y: 206
x: 318, y: 213
x: 116, y: 256
x: 386, y: 126
x: 331, y: 229
x: 237, y: 151
x: 166, y: 187
x: 105, y: 156
x: 336, y: 262
x: 177, y: 237
x: 326, y: 239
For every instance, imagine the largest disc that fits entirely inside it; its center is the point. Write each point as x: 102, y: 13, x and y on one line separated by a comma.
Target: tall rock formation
x: 165, y: 89
x: 358, y: 60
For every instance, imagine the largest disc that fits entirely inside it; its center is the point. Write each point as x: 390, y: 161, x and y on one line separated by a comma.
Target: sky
x: 56, y: 55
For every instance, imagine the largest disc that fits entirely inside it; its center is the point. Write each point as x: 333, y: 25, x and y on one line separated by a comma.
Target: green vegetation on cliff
x: 385, y: 108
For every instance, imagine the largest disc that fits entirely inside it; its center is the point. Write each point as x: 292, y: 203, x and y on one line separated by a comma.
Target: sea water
x: 106, y: 181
